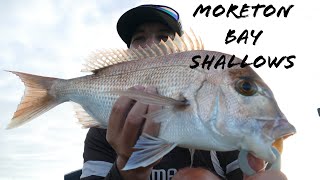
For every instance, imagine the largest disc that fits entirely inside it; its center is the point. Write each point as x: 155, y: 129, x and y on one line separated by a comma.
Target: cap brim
x: 129, y: 21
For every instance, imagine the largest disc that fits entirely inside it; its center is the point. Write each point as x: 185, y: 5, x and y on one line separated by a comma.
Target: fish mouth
x: 272, y: 131
x: 282, y: 129
x: 278, y: 128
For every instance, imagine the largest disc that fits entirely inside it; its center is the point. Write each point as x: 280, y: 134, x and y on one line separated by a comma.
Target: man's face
x: 149, y: 33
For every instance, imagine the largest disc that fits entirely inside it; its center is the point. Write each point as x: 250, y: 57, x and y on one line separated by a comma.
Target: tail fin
x: 36, y: 99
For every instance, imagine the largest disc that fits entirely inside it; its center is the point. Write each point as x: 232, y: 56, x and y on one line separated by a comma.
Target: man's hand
x: 126, y: 123
x: 258, y: 165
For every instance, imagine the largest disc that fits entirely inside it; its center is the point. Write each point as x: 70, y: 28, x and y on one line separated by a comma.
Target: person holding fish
x: 142, y: 26
x: 153, y: 117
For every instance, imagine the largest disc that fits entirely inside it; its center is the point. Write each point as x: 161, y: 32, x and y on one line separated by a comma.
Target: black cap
x: 131, y: 19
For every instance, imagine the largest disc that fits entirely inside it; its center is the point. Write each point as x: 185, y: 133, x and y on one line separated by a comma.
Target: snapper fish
x: 221, y: 109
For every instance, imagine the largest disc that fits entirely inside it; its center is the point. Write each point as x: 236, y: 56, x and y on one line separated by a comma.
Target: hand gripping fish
x: 217, y: 109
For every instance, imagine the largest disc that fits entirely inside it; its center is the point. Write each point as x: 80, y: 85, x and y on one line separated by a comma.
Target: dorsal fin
x: 103, y: 58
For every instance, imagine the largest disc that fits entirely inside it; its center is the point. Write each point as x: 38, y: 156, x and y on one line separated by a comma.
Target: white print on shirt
x: 161, y: 174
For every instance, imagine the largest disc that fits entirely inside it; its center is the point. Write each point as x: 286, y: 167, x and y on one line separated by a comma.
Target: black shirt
x: 99, y: 157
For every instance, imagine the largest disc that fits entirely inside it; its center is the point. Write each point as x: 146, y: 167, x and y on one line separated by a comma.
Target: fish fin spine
x: 103, y: 58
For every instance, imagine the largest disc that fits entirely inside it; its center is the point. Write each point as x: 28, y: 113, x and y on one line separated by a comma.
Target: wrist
x: 141, y: 173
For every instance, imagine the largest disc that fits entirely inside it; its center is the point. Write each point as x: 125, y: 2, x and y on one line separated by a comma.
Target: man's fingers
x: 152, y: 128
x: 134, y: 123
x: 256, y: 163
x: 119, y: 113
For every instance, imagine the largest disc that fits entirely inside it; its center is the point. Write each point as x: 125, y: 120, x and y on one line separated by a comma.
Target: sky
x: 53, y: 38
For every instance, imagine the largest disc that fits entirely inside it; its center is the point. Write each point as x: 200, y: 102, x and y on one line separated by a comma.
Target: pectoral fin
x: 162, y: 115
x: 148, y: 98
x: 150, y: 149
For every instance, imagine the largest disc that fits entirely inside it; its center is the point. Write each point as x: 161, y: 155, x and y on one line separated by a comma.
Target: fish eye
x: 246, y: 87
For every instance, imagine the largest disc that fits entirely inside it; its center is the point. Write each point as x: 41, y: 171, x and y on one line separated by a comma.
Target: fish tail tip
x: 13, y: 72
x: 10, y: 126
x: 5, y: 70
x: 14, y: 123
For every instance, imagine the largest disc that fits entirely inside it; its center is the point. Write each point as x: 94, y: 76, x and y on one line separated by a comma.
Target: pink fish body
x: 217, y: 109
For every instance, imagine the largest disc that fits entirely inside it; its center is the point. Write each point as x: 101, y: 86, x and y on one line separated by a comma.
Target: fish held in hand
x: 216, y: 109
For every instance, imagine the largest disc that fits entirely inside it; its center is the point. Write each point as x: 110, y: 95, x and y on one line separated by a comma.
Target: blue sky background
x: 52, y: 38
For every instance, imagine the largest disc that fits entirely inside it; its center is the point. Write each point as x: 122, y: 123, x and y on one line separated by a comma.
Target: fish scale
x: 91, y: 91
